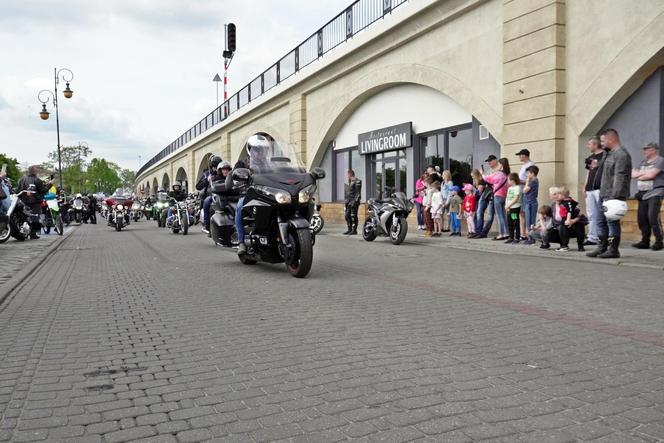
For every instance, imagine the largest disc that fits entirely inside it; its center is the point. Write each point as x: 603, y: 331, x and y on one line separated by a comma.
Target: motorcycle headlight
x: 120, y: 207
x: 142, y: 207
x: 306, y: 194
x: 280, y: 196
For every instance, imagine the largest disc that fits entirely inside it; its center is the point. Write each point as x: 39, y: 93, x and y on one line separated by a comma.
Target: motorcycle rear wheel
x: 59, y: 228
x: 246, y: 260
x: 399, y: 231
x: 300, y: 264
x: 368, y: 232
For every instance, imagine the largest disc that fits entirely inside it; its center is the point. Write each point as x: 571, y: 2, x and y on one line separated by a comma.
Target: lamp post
x: 80, y: 163
x: 67, y: 76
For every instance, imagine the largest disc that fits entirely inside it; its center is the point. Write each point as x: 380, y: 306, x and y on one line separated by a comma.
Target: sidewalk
x: 629, y: 256
x: 18, y: 259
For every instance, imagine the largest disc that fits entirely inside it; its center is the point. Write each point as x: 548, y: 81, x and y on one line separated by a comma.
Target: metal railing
x: 355, y: 18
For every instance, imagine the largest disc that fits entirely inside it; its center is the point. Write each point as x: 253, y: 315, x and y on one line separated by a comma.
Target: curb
x: 611, y: 262
x: 13, y: 283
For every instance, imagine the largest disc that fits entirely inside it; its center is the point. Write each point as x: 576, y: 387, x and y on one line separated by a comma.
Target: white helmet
x: 614, y: 209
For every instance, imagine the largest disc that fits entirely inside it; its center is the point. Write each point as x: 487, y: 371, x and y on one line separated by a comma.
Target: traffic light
x: 231, y: 37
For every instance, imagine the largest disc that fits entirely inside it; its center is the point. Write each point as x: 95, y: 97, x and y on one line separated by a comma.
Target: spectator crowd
x: 511, y: 198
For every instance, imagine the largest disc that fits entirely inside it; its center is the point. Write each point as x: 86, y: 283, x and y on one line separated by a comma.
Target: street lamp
x: 67, y: 76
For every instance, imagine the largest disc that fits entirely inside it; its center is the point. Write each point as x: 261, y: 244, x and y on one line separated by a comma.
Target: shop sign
x: 386, y: 139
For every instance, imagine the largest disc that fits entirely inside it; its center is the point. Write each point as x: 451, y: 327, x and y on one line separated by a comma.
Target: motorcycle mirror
x: 241, y: 174
x: 318, y: 173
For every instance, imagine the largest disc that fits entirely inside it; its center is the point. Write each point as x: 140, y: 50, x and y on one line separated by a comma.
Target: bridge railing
x: 356, y: 17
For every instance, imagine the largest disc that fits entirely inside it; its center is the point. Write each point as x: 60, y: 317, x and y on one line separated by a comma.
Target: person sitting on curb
x: 540, y: 230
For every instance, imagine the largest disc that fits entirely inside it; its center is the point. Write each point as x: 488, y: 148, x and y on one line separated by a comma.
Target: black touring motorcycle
x: 277, y: 208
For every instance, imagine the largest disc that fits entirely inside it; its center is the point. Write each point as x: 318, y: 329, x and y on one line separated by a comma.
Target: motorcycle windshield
x: 275, y: 157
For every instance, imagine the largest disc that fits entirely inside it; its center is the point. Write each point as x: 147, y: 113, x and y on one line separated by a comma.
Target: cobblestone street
x: 142, y: 334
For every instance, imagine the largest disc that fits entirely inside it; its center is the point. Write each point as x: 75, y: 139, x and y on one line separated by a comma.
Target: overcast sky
x: 143, y: 68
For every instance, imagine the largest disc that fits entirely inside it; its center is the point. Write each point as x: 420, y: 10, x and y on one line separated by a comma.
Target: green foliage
x: 13, y: 172
x: 128, y: 178
x: 102, y: 176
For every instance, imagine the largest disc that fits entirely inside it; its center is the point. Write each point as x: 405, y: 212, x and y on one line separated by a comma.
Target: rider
x: 203, y: 185
x: 32, y: 199
x: 92, y: 209
x: 258, y: 147
x: 177, y: 194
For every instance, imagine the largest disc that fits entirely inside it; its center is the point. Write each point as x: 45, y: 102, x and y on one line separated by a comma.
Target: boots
x: 643, y: 244
x: 353, y: 230
x: 612, y: 251
x: 349, y: 229
x: 602, y: 246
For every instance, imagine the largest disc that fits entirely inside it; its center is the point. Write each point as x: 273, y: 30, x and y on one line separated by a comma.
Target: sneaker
x: 565, y: 249
x: 543, y: 246
x: 242, y: 249
x: 509, y: 241
x: 657, y: 246
x: 641, y: 245
x: 516, y: 242
x: 205, y: 230
x: 529, y: 242
x: 589, y: 243
x: 420, y: 228
x: 427, y: 233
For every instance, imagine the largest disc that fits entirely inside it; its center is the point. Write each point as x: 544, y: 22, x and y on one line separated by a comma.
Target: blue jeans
x: 530, y: 211
x: 593, y: 208
x: 420, y: 214
x: 239, y: 224
x: 489, y: 220
x: 499, y: 208
x: 607, y: 228
x: 455, y: 223
x: 169, y: 213
x: 206, y: 211
x: 479, y: 215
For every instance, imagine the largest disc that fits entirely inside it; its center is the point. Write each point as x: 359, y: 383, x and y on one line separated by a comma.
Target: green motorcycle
x: 52, y: 218
x: 160, y: 208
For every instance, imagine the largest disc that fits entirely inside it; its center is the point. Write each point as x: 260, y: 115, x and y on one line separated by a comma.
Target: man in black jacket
x: 33, y: 199
x: 92, y: 209
x: 352, y: 199
x: 616, y: 167
x: 203, y: 186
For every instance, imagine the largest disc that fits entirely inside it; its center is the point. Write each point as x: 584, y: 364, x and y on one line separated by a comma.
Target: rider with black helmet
x: 203, y: 185
x: 177, y: 194
x: 258, y: 146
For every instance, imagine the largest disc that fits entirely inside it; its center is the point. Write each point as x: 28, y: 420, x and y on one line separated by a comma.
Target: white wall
x: 427, y: 108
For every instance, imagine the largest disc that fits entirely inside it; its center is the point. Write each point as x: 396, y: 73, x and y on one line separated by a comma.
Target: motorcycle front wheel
x: 398, y: 231
x: 368, y: 232
x: 185, y: 224
x: 5, y: 231
x: 299, y: 264
x: 118, y: 226
x: 59, y: 228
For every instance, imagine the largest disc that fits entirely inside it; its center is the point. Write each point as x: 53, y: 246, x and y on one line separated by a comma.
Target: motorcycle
x: 317, y: 221
x: 388, y: 218
x: 118, y: 215
x: 276, y: 211
x: 52, y: 217
x: 78, y: 211
x: 136, y: 211
x: 17, y: 221
x: 147, y: 211
x: 179, y: 218
x: 160, y: 208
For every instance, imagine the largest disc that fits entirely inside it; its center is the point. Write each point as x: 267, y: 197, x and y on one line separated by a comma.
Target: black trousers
x: 513, y: 223
x: 92, y: 214
x: 561, y: 234
x: 648, y: 217
x: 351, y: 214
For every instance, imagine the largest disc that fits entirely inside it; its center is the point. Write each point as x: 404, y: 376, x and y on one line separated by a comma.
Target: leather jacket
x: 616, y: 175
x: 354, y: 191
x: 178, y: 195
x: 25, y: 182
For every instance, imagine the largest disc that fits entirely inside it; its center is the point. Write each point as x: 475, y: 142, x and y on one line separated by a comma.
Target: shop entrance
x: 389, y: 172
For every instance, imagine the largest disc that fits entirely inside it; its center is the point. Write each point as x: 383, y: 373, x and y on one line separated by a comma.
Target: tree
x: 102, y: 176
x: 128, y: 178
x: 13, y: 171
x: 73, y: 160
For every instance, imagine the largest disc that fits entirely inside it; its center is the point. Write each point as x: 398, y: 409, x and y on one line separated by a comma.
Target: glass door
x: 390, y: 174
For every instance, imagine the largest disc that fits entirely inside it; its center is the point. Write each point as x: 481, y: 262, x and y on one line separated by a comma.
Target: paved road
x: 146, y: 335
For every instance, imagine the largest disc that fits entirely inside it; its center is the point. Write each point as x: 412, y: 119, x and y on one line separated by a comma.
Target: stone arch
x: 147, y: 189
x: 181, y: 176
x: 166, y: 182
x: 155, y: 185
x: 202, y: 167
x: 388, y: 76
x: 626, y: 73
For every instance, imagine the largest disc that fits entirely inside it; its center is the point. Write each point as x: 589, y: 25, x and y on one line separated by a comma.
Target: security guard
x: 353, y: 195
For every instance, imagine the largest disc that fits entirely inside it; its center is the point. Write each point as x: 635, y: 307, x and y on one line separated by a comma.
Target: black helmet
x: 214, y: 161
